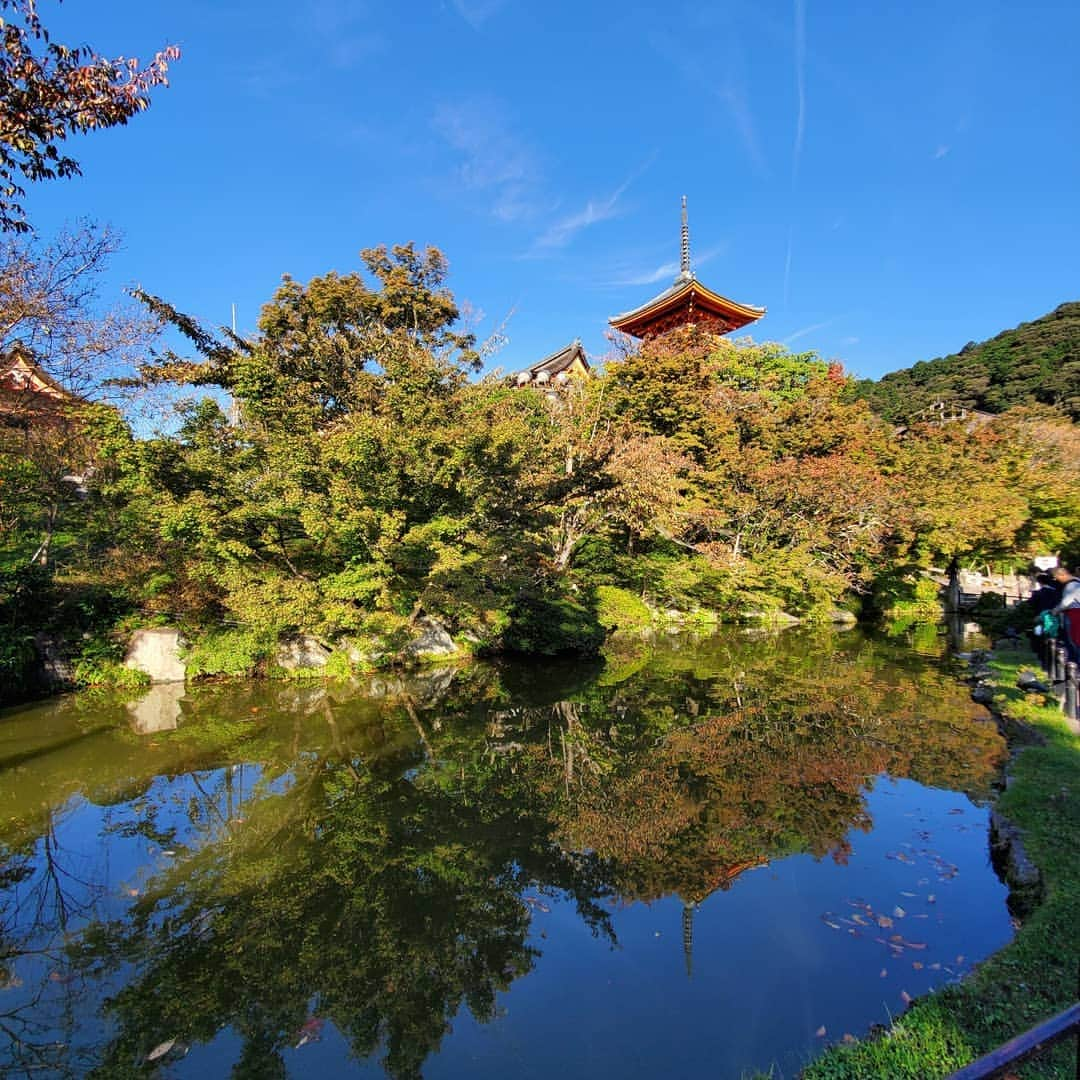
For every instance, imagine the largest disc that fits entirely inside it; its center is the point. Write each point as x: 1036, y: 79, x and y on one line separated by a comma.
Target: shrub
x: 549, y: 625
x: 227, y: 652
x: 618, y: 609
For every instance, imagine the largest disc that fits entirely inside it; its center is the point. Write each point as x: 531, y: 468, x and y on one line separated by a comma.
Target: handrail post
x: 1058, y: 672
x: 1072, y: 708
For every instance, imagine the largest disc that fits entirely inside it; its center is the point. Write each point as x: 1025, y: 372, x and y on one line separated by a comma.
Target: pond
x: 700, y: 855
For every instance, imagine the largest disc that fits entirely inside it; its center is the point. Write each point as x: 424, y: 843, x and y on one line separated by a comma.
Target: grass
x: 1035, y: 976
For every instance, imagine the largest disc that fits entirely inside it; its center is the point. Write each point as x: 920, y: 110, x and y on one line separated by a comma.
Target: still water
x: 699, y: 857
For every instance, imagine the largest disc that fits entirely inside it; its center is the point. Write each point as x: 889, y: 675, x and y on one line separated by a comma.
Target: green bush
x: 550, y: 625
x: 618, y: 609
x: 227, y: 652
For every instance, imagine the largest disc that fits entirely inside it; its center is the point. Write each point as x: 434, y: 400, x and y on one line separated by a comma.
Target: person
x: 1046, y: 596
x: 1068, y: 610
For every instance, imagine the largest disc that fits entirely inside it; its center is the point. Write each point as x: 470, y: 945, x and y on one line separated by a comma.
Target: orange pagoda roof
x: 686, y: 303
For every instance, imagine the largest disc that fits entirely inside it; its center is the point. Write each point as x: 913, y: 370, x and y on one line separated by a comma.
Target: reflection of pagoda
x: 719, y: 881
x: 686, y: 303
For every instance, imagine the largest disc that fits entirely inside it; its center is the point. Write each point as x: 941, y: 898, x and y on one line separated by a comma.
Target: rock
x: 158, y: 710
x: 1030, y: 683
x: 302, y: 653
x: 842, y: 617
x: 980, y: 672
x: 156, y: 652
x: 983, y: 695
x: 1009, y: 857
x: 54, y: 669
x: 434, y: 641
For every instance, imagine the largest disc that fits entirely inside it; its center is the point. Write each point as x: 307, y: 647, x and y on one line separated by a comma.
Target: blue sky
x: 889, y: 180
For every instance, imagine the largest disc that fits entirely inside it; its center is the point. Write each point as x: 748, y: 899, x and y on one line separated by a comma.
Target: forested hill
x: 1034, y: 363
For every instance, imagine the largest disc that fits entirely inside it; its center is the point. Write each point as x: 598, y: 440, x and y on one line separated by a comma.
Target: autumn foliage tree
x: 49, y: 91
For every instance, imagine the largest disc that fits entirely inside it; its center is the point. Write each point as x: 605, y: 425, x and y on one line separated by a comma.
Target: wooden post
x: 1072, y: 710
x: 952, y: 599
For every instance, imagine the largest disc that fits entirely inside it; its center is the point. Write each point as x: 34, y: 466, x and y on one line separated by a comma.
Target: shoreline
x: 1034, y: 842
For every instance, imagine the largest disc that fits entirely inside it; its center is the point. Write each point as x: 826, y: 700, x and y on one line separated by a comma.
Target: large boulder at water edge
x: 156, y: 652
x: 302, y: 652
x: 433, y: 642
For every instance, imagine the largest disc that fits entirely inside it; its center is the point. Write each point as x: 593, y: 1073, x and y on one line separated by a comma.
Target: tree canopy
x: 50, y: 91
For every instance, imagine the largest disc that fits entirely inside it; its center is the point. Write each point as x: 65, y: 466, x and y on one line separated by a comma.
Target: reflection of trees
x: 370, y: 870
x: 387, y: 901
x: 46, y: 891
x: 708, y: 766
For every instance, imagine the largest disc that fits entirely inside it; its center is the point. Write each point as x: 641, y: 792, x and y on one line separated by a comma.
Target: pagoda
x: 686, y: 303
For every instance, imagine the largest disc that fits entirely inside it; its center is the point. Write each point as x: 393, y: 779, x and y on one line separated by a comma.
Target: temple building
x: 28, y: 394
x: 686, y: 303
x: 555, y: 371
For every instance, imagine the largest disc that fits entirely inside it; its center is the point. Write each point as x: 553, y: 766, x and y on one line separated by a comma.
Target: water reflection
x: 273, y: 859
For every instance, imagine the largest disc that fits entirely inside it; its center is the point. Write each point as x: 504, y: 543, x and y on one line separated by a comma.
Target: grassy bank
x: 1036, y: 975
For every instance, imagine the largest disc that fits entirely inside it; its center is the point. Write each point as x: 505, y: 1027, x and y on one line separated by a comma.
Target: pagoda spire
x: 685, y: 274
x: 688, y: 937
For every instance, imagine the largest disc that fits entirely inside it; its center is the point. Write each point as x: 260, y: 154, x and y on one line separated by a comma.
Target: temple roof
x: 689, y: 295
x: 25, y: 387
x: 686, y: 302
x: 570, y: 359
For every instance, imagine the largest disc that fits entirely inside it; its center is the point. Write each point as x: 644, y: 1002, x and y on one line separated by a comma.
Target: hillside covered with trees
x: 1035, y: 363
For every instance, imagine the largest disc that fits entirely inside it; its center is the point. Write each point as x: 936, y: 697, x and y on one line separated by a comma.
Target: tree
x: 49, y: 310
x: 49, y: 91
x: 50, y: 304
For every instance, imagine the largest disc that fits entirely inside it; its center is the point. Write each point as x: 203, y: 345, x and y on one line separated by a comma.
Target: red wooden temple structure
x: 686, y: 303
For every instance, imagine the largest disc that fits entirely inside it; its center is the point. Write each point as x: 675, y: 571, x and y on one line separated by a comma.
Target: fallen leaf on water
x: 820, y: 1033
x: 884, y: 922
x: 860, y: 920
x: 898, y: 912
x: 849, y: 1038
x: 917, y: 965
x: 935, y: 967
x: 908, y: 894
x: 957, y: 811
x: 915, y: 944
x: 883, y: 973
x: 960, y: 959
x: 310, y: 1031
x: 905, y: 997
x: 897, y: 938
x: 161, y: 1050
x: 923, y: 881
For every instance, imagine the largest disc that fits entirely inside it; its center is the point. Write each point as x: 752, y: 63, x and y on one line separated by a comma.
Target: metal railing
x: 1063, y: 674
x: 1025, y: 1046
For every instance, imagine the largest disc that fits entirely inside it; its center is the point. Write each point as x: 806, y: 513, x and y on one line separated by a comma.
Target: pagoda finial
x: 684, y: 262
x: 688, y: 937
